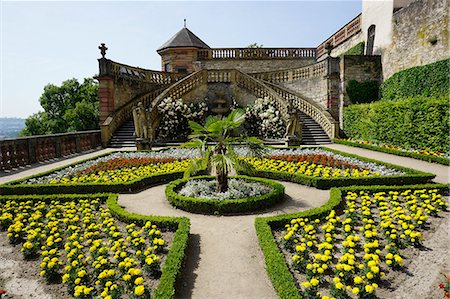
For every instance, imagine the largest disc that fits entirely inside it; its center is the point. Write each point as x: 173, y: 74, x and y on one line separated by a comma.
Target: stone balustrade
x: 22, y: 151
x: 119, y: 70
x: 312, y: 109
x: 350, y: 29
x: 288, y: 75
x: 255, y: 53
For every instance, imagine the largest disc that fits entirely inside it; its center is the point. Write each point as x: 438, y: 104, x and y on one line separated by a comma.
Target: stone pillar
x: 106, y: 97
x: 333, y: 87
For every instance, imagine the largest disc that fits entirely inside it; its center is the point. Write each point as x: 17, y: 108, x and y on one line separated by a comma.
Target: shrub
x: 429, y: 80
x: 417, y: 123
x: 362, y: 92
x: 357, y: 49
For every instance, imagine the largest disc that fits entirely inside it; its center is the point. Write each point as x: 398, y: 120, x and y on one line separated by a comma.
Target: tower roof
x: 184, y: 38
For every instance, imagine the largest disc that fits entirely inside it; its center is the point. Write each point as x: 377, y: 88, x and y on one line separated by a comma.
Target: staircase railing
x: 305, y: 72
x: 261, y: 90
x: 314, y: 110
x: 182, y: 87
x: 113, y: 121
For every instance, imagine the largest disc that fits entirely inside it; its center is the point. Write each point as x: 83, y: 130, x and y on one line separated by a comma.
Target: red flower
x: 441, y: 285
x: 2, y: 292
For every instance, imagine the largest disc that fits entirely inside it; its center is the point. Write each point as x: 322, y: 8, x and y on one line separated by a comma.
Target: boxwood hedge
x: 213, y: 206
x: 276, y: 266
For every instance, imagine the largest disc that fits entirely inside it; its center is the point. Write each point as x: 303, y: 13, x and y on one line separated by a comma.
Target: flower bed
x: 426, y: 155
x: 223, y: 206
x: 80, y: 241
x: 325, y: 168
x: 116, y: 172
x: 344, y: 249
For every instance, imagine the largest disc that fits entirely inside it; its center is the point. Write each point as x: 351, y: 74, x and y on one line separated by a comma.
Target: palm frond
x: 195, y: 166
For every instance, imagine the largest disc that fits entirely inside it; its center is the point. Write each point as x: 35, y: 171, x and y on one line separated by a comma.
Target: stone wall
x: 254, y: 65
x: 419, y: 36
x: 312, y: 88
x: 360, y: 68
x: 125, y: 90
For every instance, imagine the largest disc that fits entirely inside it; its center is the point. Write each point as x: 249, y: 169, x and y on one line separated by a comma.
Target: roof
x: 184, y: 38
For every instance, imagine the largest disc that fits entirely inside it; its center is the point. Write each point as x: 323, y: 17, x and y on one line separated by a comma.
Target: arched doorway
x: 370, y: 40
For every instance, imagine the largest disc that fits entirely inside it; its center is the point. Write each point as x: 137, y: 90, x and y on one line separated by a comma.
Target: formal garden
x: 67, y: 222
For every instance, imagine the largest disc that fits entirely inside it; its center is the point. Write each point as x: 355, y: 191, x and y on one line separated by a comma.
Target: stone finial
x: 184, y: 23
x: 103, y: 49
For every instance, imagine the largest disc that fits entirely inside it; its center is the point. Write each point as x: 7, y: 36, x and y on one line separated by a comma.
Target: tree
x: 221, y: 156
x: 255, y: 45
x: 69, y: 107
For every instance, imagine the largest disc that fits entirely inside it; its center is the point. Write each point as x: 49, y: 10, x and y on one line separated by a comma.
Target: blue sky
x: 49, y: 42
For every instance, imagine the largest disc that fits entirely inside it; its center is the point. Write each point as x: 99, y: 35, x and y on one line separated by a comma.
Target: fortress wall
x: 254, y: 65
x: 420, y: 35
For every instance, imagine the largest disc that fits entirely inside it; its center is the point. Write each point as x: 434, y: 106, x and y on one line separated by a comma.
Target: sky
x: 50, y: 42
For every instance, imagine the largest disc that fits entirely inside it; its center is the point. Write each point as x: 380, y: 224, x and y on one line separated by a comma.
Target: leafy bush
x: 417, y: 123
x: 362, y: 92
x: 263, y: 119
x: 430, y: 80
x: 357, y: 49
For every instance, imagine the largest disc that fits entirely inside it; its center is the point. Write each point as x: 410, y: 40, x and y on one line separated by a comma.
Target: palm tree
x: 217, y: 140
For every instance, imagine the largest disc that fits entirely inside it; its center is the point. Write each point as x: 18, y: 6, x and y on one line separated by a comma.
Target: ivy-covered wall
x: 431, y: 80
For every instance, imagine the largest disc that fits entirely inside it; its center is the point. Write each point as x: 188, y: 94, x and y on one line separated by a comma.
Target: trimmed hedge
x: 177, y: 252
x: 362, y: 92
x: 429, y: 80
x: 277, y: 268
x: 357, y: 49
x: 412, y: 176
x: 418, y: 123
x: 428, y: 158
x: 17, y: 187
x: 213, y: 206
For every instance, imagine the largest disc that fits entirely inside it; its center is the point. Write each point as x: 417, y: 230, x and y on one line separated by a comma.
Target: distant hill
x: 11, y: 126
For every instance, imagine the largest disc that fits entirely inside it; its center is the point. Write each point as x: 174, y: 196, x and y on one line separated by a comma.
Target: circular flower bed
x: 245, y: 194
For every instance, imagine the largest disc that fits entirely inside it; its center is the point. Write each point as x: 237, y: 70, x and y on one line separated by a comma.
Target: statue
x: 138, y: 112
x: 103, y: 49
x: 153, y: 121
x: 294, y: 127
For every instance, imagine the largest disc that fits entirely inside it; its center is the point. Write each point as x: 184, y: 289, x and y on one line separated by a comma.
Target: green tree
x: 73, y: 106
x: 221, y: 157
x: 255, y: 45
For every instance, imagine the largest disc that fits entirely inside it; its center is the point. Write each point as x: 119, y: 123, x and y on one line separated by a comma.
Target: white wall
x: 378, y: 13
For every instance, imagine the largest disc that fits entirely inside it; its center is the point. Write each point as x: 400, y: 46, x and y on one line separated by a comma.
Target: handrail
x: 287, y: 75
x: 113, y: 121
x: 347, y: 31
x: 309, y: 107
x: 255, y: 53
x: 182, y: 87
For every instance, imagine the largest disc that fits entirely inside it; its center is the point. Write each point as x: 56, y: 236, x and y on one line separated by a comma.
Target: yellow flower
x: 355, y: 291
x: 139, y: 290
x: 139, y: 280
x: 369, y: 289
x: 314, y: 282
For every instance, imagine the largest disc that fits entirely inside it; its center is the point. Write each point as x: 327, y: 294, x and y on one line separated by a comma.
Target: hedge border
x: 234, y: 206
x: 17, y: 188
x: 277, y: 268
x: 412, y: 176
x: 177, y: 252
x: 427, y: 158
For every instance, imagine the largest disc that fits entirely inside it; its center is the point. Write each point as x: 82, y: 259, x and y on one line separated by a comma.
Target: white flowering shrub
x: 206, y: 189
x: 264, y: 120
x: 175, y: 116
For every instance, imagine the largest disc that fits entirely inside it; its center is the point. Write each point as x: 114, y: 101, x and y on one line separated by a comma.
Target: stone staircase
x: 312, y: 133
x: 123, y: 136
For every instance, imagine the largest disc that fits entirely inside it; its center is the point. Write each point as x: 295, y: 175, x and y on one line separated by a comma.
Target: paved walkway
x: 224, y: 259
